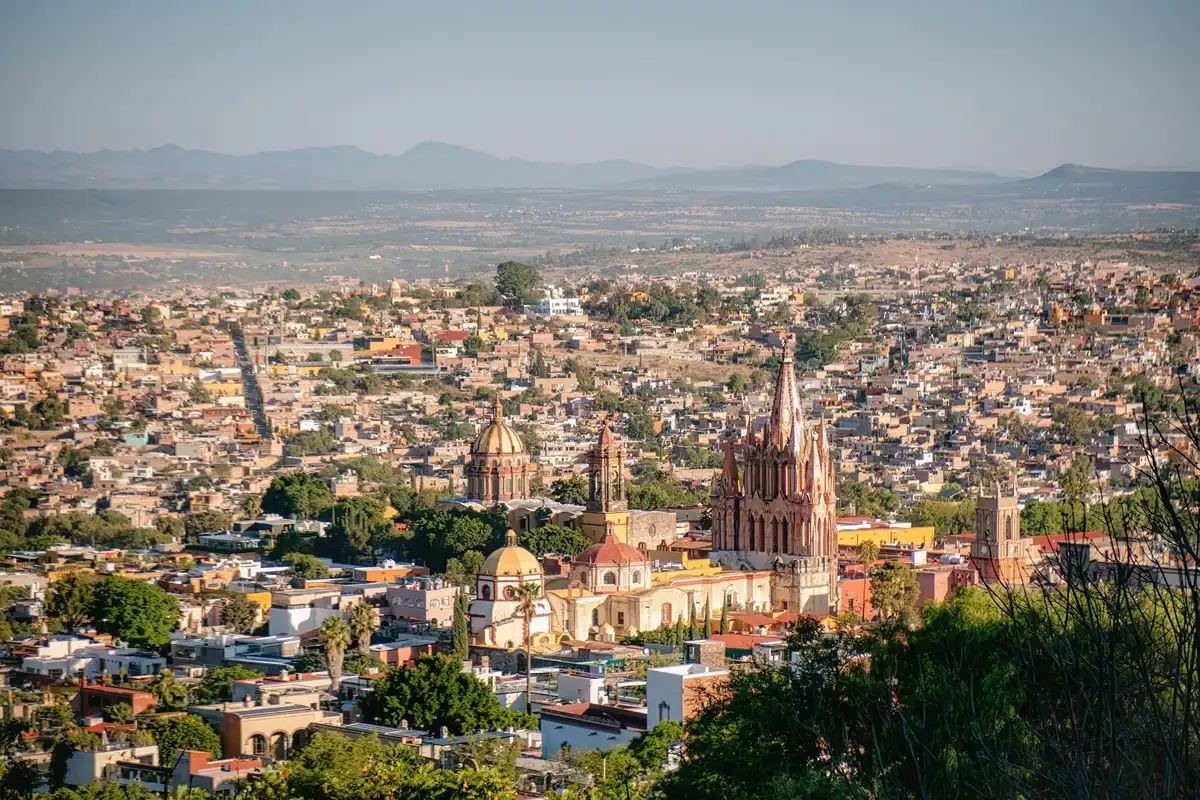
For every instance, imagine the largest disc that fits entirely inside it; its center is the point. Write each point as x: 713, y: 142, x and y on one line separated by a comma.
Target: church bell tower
x: 607, y: 511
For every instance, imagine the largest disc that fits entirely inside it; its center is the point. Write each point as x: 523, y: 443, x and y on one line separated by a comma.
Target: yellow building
x: 376, y: 344
x: 224, y: 388
x: 909, y: 535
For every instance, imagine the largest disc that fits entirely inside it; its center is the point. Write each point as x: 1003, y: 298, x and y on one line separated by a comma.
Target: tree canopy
x: 297, y: 494
x: 134, y: 611
x: 514, y: 279
x: 432, y: 693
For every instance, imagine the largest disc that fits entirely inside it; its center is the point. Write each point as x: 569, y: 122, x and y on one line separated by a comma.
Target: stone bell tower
x: 607, y: 510
x: 998, y: 551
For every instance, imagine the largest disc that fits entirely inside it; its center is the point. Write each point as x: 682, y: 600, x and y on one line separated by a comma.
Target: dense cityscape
x: 515, y: 536
x: 685, y: 400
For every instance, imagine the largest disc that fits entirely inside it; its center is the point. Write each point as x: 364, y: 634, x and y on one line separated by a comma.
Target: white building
x: 558, y: 307
x: 68, y: 656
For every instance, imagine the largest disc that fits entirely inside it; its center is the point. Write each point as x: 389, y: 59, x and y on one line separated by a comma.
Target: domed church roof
x: 611, y: 550
x: 511, y: 560
x: 498, y: 438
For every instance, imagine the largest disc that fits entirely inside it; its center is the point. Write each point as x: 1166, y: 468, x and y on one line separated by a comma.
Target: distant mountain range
x: 435, y: 165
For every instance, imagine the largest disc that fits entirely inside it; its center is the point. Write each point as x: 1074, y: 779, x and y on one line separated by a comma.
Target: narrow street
x: 250, y: 387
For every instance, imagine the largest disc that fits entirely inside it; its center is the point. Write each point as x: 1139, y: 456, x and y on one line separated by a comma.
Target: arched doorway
x: 279, y: 745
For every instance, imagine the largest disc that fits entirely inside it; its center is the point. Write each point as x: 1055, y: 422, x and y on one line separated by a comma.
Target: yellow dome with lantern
x: 511, y: 560
x: 498, y: 438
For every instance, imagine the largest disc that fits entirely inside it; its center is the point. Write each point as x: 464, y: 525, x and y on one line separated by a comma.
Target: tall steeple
x: 730, y: 481
x: 786, y: 415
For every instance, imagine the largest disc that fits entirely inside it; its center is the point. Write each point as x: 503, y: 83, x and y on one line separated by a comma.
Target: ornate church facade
x: 779, y: 512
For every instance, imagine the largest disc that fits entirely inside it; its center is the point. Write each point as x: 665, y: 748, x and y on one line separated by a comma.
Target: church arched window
x: 667, y: 618
x: 636, y: 577
x: 595, y: 618
x: 610, y: 579
x: 485, y: 592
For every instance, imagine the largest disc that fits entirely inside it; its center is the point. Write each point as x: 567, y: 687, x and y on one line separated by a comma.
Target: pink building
x: 423, y: 600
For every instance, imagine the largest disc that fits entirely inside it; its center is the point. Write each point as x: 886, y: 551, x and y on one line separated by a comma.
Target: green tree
x: 464, y: 571
x: 50, y: 412
x: 240, y: 614
x: 217, y: 685
x: 738, y: 384
x: 206, y: 522
x: 660, y: 494
x: 867, y: 552
x: 305, y: 565
x: 442, y: 533
x: 572, y: 490
x: 297, y: 494
x: 334, y: 767
x: 169, y: 693
x: 514, y: 279
x: 894, y: 590
x: 335, y: 638
x: 250, y: 505
x: 461, y: 633
x: 526, y: 596
x: 134, y: 611
x: 119, y: 713
x: 432, y: 693
x: 173, y: 734
x: 71, y: 598
x: 358, y: 523
x: 554, y: 539
x: 363, y: 621
x: 290, y: 295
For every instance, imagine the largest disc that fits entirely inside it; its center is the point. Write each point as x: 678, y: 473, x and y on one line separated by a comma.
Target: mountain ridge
x: 434, y: 165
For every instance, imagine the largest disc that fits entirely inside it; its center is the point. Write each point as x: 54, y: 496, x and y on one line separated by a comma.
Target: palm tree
x: 526, y: 595
x: 362, y: 622
x: 168, y: 691
x: 335, y: 636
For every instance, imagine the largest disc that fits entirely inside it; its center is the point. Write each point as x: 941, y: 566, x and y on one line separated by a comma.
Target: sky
x: 1001, y: 84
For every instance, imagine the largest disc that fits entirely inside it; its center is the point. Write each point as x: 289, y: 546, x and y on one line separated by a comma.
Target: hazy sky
x: 1024, y: 84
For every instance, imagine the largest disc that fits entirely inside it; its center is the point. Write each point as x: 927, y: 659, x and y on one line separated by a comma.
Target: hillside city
x: 560, y: 531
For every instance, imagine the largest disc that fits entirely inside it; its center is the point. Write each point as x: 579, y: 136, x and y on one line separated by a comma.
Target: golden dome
x: 511, y: 560
x: 498, y: 439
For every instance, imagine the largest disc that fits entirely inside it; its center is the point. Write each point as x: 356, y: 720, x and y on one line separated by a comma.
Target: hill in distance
x: 436, y: 165
x: 432, y: 165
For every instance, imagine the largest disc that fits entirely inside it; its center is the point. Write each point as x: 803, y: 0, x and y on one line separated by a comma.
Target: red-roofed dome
x: 611, y: 550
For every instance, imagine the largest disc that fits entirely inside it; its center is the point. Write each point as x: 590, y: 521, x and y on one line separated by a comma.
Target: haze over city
x: 1016, y: 86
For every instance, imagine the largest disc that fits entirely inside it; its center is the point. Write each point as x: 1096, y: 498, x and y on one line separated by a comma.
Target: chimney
x: 403, y: 724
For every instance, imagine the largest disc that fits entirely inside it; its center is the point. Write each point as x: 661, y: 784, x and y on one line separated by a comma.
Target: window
x: 636, y: 577
x: 485, y: 592
x: 595, y: 618
x: 667, y: 618
x: 258, y: 745
x: 610, y: 579
x: 510, y: 593
x: 620, y: 617
x: 664, y: 711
